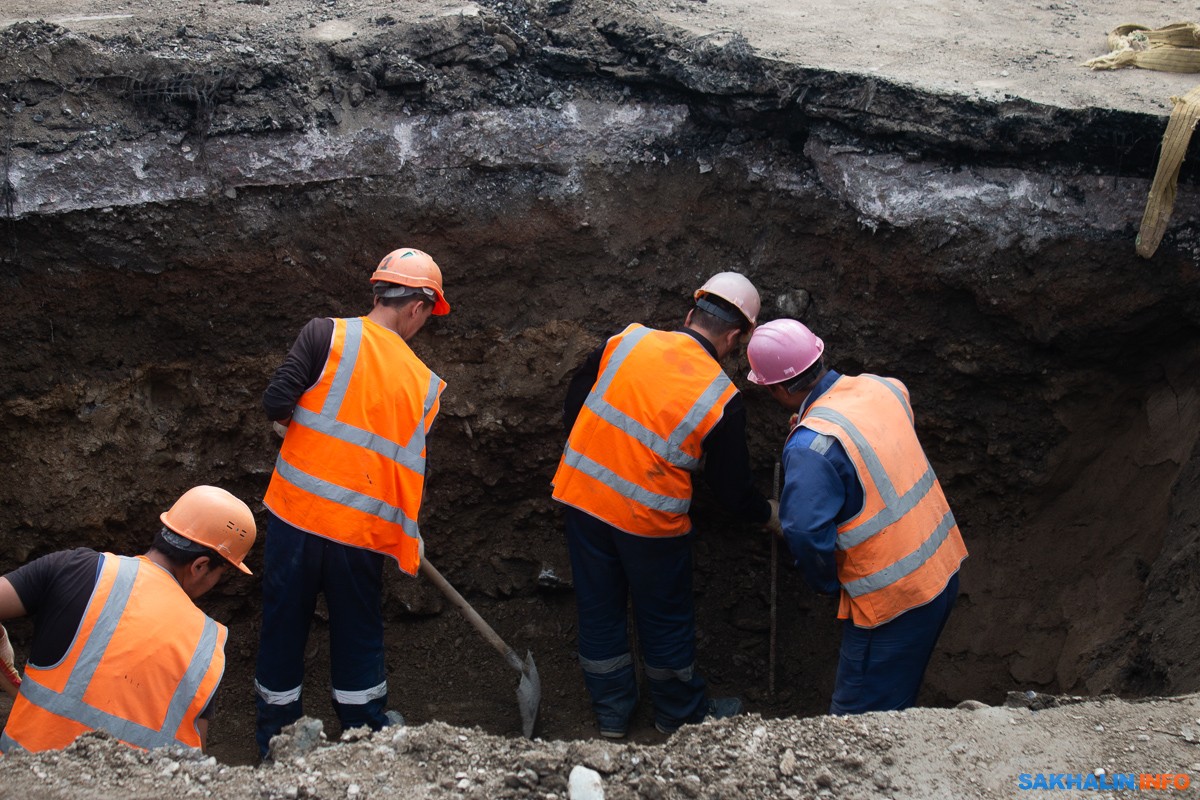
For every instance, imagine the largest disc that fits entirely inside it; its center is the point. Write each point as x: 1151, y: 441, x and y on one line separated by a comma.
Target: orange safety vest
x: 352, y: 465
x: 901, y: 550
x: 144, y: 664
x: 639, y: 436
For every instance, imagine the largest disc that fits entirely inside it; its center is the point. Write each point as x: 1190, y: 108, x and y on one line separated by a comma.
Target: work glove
x: 10, y: 679
x: 773, y: 524
x: 281, y: 427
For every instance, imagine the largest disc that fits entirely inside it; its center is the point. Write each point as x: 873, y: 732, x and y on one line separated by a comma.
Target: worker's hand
x: 281, y: 427
x: 10, y: 679
x: 773, y: 524
x: 421, y: 548
x: 793, y: 422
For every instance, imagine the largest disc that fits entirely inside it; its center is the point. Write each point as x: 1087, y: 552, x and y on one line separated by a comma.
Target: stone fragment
x: 585, y: 784
x: 787, y: 764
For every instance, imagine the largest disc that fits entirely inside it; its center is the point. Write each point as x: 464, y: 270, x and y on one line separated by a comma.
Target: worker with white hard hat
x: 354, y: 403
x: 118, y: 643
x: 863, y: 515
x: 646, y: 411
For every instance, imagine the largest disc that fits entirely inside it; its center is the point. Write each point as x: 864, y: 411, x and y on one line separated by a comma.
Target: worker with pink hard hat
x: 863, y: 515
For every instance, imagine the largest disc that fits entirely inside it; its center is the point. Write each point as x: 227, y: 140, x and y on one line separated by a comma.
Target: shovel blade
x: 529, y: 695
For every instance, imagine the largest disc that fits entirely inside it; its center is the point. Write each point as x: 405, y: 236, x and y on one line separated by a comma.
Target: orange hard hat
x: 415, y: 269
x: 216, y: 519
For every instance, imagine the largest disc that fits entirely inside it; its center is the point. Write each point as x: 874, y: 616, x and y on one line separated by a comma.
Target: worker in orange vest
x: 645, y: 412
x: 355, y: 404
x: 118, y: 643
x: 863, y: 514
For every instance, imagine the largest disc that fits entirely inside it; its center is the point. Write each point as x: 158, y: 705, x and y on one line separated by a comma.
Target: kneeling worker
x: 118, y: 643
x: 863, y: 514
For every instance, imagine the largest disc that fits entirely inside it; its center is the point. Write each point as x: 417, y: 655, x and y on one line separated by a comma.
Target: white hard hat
x: 735, y: 288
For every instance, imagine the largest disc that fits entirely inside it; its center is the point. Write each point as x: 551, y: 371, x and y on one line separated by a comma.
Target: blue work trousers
x: 881, y: 668
x: 297, y: 566
x: 609, y: 566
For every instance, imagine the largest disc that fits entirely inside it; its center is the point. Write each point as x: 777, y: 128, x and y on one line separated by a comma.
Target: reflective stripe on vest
x: 360, y: 486
x: 669, y: 448
x: 915, y: 526
x: 640, y: 475
x: 347, y: 497
x: 658, y: 502
x: 39, y: 705
x: 905, y: 566
x: 895, y: 504
x: 408, y: 455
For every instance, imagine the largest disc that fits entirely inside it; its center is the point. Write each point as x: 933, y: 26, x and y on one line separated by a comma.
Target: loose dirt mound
x: 922, y: 754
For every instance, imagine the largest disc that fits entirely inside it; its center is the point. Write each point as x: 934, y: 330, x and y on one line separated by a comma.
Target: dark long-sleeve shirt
x: 300, y: 370
x: 726, y: 455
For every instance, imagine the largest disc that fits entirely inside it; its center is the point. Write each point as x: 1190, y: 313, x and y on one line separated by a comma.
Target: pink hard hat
x: 780, y: 350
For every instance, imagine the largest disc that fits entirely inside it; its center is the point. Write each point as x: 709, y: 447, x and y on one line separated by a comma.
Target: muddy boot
x: 714, y: 708
x: 723, y: 707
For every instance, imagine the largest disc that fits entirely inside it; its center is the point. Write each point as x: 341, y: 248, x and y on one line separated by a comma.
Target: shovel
x: 529, y: 690
x: 774, y: 580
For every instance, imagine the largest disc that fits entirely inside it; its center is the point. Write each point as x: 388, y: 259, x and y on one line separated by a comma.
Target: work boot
x: 715, y: 708
x: 614, y: 733
x: 723, y: 707
x: 393, y: 718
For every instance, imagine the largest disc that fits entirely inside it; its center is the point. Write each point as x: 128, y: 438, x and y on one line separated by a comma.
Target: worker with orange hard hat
x: 863, y: 514
x: 118, y: 643
x: 646, y: 411
x: 354, y: 404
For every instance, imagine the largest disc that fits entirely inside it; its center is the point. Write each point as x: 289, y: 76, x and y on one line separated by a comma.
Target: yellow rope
x: 1161, y: 202
x: 1172, y: 48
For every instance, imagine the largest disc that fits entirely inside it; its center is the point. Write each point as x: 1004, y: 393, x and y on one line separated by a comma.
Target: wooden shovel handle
x: 471, y: 614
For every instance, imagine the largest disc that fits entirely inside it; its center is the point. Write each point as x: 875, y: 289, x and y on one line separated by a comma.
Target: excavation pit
x: 176, y: 213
